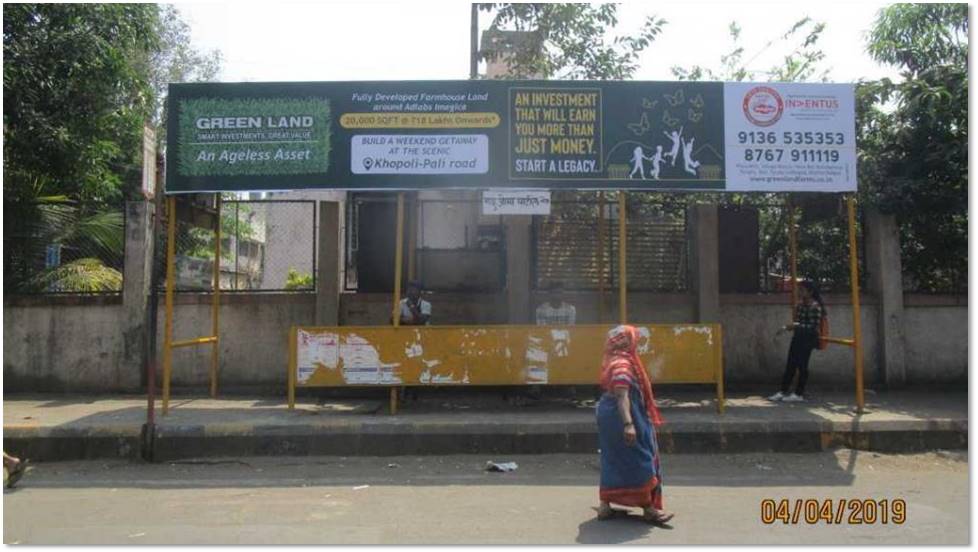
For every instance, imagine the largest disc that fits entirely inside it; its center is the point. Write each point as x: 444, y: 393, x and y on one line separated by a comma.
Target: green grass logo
x: 253, y: 136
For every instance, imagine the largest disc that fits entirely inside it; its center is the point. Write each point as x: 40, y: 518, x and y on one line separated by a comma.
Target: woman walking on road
x: 630, y: 474
x: 808, y: 319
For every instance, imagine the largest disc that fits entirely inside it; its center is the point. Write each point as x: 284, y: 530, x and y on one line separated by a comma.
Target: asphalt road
x: 550, y: 499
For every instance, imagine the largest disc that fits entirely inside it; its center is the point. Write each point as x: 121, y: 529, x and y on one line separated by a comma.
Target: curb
x: 402, y: 436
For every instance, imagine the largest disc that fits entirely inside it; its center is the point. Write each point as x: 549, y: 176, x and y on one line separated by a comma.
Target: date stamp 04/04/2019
x: 841, y: 511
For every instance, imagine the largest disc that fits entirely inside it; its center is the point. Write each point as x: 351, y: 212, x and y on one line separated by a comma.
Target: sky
x: 430, y: 40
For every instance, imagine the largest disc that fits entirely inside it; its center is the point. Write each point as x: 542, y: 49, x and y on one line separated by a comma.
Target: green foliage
x: 176, y: 60
x: 822, y: 233
x: 74, y: 103
x: 80, y: 81
x: 88, y: 275
x: 566, y: 41
x: 913, y: 139
x: 297, y: 280
x: 82, y: 232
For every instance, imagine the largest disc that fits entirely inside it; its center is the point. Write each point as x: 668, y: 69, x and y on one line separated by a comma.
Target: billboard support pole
x: 856, y: 320
x: 622, y: 258
x: 398, y: 261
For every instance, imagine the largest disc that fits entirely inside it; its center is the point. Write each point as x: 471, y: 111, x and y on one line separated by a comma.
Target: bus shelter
x: 514, y: 141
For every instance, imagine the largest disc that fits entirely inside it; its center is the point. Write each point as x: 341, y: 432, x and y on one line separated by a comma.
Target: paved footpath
x: 451, y: 499
x: 470, y: 421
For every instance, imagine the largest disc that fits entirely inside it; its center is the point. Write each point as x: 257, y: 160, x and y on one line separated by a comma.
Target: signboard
x: 511, y: 134
x: 789, y: 137
x: 515, y: 202
x: 149, y: 163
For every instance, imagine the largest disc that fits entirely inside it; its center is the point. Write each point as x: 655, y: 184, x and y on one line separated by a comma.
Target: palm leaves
x: 90, y: 241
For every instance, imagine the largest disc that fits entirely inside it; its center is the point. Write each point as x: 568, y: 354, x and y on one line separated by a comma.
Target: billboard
x: 409, y: 135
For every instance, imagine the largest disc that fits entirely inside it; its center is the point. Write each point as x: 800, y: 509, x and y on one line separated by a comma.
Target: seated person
x: 415, y: 311
x: 556, y: 311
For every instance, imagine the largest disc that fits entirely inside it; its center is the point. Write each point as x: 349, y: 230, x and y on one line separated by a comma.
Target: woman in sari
x: 627, y: 414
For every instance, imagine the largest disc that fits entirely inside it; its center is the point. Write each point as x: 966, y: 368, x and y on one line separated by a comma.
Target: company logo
x: 763, y: 106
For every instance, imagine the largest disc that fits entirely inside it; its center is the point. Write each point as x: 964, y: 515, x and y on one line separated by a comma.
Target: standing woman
x: 626, y: 414
x: 808, y: 318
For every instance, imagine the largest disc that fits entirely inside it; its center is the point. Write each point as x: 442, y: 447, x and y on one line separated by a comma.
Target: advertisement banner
x: 789, y: 137
x: 584, y: 135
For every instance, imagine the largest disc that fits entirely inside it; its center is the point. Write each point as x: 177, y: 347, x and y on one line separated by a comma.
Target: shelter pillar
x: 518, y: 259
x: 884, y: 279
x: 328, y: 269
x: 702, y: 221
x: 136, y: 282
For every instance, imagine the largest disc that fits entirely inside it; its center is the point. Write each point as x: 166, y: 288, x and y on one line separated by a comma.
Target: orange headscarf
x: 621, y: 349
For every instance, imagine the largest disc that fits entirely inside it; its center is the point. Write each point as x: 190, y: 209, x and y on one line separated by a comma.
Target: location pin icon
x: 367, y: 163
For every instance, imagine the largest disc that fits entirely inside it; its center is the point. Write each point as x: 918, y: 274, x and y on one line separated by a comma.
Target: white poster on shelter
x: 515, y: 202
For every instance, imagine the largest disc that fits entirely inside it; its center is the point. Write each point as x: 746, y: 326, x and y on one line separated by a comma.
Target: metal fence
x: 577, y: 245
x: 61, y: 247
x: 266, y: 245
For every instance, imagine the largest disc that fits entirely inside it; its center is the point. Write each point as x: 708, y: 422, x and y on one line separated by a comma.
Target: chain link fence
x: 61, y: 247
x: 266, y: 245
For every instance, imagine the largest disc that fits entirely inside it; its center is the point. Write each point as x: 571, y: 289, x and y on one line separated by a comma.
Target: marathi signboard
x: 511, y: 134
x: 515, y: 202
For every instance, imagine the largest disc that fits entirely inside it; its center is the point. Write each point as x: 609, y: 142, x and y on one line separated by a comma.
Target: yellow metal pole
x: 398, y: 259
x: 721, y: 399
x: 216, y: 300
x: 171, y: 237
x: 193, y: 342
x: 293, y: 359
x: 412, y: 234
x: 856, y: 321
x: 622, y: 258
x: 601, y: 234
x: 793, y: 252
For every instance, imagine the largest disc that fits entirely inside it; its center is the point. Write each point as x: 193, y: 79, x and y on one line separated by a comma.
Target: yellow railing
x: 344, y: 356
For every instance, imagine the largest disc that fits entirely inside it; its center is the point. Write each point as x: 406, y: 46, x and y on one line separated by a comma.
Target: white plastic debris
x: 501, y: 466
x: 361, y: 487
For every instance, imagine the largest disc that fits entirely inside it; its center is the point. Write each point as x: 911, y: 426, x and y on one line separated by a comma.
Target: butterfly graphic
x: 694, y: 116
x: 668, y: 119
x: 649, y: 104
x: 697, y: 102
x: 676, y: 99
x: 642, y: 126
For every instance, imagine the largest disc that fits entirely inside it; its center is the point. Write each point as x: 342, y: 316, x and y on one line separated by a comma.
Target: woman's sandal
x: 658, y: 518
x: 13, y: 476
x: 610, y: 513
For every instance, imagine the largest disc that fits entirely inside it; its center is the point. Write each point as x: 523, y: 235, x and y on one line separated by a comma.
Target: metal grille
x: 573, y: 248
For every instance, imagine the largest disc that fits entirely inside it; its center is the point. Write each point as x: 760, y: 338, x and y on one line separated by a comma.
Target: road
x: 417, y: 500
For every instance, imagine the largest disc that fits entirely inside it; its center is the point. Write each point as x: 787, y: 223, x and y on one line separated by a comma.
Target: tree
x: 74, y: 104
x: 80, y: 81
x: 176, y: 60
x: 566, y: 41
x: 913, y: 138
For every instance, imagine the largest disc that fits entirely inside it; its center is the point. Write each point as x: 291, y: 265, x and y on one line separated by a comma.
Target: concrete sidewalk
x: 72, y: 427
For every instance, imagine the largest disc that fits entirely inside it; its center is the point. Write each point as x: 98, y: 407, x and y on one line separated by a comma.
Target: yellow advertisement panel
x: 494, y: 355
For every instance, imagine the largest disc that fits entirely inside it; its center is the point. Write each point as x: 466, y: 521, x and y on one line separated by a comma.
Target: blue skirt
x: 630, y: 474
